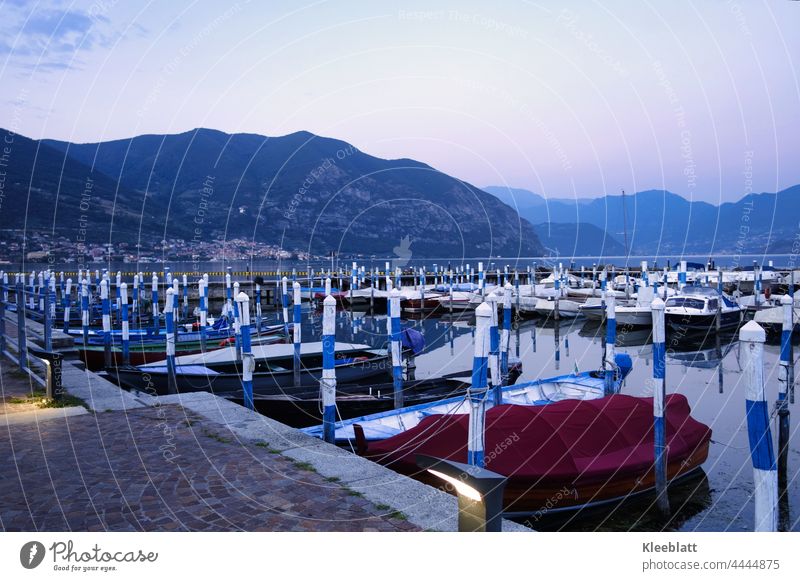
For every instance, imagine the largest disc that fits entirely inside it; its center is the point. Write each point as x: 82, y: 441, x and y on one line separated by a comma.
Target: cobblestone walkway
x: 163, y: 468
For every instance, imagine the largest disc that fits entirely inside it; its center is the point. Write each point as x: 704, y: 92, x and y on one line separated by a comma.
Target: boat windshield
x: 685, y: 302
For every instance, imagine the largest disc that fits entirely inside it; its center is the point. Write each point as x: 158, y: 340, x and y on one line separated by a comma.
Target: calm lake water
x: 721, y: 500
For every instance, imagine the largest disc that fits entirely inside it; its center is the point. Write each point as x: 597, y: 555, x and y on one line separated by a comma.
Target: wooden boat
x: 219, y: 371
x: 694, y: 310
x: 586, y: 385
x: 93, y: 356
x: 190, y: 332
x: 584, y: 452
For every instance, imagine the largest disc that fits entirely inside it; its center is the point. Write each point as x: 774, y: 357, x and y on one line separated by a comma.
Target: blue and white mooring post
x: 765, y: 475
x: 296, y: 331
x: 227, y: 310
x: 169, y: 322
x: 106, y: 306
x: 494, y: 346
x: 659, y: 396
x: 185, y: 298
x: 481, y: 279
x: 118, y: 300
x: 85, y: 311
x: 154, y: 300
x: 328, y: 381
x: 126, y: 332
x: 237, y: 321
x: 285, y: 304
x: 609, y: 362
x: 785, y: 386
x: 202, y: 288
x: 681, y: 275
x: 397, y: 356
x: 478, y: 390
x: 248, y: 361
x: 258, y: 302
x: 48, y: 318
x: 67, y: 302
x: 135, y: 304
x: 505, y: 337
x: 175, y: 310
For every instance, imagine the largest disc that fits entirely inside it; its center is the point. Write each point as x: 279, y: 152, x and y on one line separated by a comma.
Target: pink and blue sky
x: 562, y: 98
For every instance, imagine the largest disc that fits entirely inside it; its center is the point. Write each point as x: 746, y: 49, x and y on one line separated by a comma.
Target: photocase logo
x: 403, y: 251
x: 31, y: 554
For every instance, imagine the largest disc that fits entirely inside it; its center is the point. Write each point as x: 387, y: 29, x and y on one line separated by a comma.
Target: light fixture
x: 479, y: 492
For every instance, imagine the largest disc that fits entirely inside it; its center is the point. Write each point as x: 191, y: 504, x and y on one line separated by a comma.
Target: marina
x: 405, y: 378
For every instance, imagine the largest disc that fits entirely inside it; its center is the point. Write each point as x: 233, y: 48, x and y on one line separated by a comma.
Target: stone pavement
x: 159, y: 468
x: 163, y: 468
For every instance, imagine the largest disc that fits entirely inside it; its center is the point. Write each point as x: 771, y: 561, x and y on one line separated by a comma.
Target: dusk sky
x: 565, y: 99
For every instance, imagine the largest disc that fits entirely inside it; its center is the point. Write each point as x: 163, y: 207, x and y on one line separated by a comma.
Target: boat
x: 357, y: 400
x: 771, y: 318
x: 584, y: 385
x: 219, y: 371
x: 585, y: 452
x: 190, y: 332
x: 694, y: 309
x: 460, y: 301
x: 638, y: 314
x: 141, y: 352
x: 567, y: 309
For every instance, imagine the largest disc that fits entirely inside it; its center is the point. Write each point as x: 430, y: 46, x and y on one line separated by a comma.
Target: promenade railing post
x: 22, y: 346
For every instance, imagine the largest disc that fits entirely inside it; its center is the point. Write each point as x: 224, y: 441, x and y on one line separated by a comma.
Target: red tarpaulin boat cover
x: 577, y: 441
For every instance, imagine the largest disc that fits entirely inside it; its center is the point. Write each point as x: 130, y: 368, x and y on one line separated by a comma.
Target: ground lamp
x: 479, y: 491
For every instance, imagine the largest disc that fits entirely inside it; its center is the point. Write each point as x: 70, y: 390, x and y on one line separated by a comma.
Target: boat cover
x: 414, y: 340
x: 577, y: 441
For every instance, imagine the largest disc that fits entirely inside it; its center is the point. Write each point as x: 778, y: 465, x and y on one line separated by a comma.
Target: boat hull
x: 700, y: 323
x: 597, y: 452
x: 264, y: 383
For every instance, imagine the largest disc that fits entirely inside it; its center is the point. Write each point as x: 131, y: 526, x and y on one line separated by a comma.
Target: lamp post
x: 479, y: 492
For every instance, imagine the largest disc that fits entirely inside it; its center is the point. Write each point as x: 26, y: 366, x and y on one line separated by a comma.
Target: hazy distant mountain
x: 660, y: 221
x: 300, y: 191
x: 577, y: 240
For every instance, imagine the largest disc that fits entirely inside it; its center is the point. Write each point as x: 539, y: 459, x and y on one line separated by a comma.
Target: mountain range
x: 661, y: 222
x: 299, y: 192
x: 306, y: 193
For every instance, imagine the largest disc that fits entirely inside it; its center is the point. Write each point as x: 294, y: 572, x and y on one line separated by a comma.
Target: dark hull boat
x: 300, y: 410
x: 701, y: 323
x: 583, y: 452
x: 221, y: 330
x: 93, y: 356
x: 219, y: 371
x: 695, y: 310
